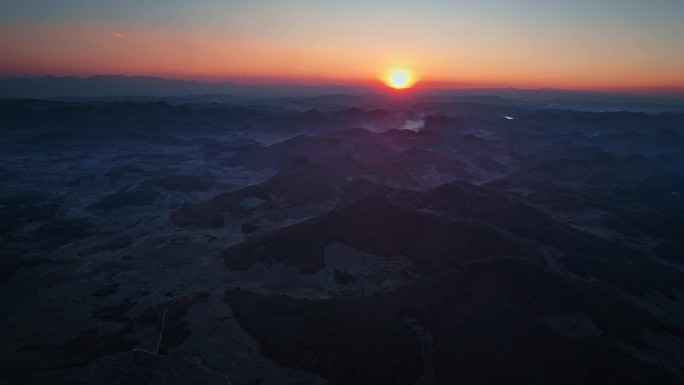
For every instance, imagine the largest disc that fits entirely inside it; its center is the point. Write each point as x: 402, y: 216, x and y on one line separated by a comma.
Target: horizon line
x: 677, y: 90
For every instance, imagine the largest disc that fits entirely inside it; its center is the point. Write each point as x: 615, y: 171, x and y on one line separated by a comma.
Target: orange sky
x: 534, y: 44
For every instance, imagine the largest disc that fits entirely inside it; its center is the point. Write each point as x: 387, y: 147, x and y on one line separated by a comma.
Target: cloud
x: 414, y: 125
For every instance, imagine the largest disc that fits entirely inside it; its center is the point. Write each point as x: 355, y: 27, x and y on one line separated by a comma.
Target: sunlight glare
x: 399, y: 78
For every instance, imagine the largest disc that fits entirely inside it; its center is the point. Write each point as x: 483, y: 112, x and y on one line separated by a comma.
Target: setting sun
x: 399, y: 78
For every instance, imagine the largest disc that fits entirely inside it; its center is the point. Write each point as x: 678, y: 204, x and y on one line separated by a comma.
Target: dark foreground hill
x: 413, y: 239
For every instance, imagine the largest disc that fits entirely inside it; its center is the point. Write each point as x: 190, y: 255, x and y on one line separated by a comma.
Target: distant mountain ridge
x: 121, y: 85
x: 102, y: 86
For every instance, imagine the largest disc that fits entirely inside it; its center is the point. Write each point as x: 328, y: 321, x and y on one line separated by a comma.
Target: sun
x: 399, y: 78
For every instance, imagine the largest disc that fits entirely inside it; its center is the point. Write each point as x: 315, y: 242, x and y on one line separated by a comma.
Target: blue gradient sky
x: 527, y: 43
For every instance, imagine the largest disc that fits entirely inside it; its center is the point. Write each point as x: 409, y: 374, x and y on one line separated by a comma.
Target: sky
x: 579, y: 44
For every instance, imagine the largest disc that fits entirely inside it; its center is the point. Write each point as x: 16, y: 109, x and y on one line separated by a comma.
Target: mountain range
x: 147, y: 87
